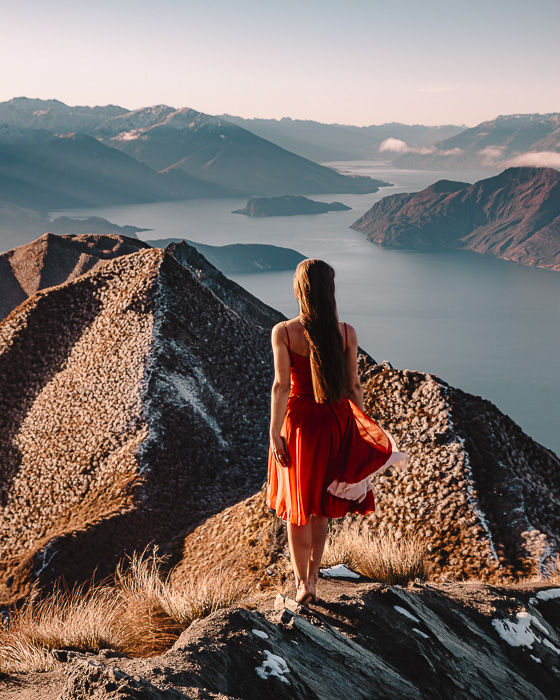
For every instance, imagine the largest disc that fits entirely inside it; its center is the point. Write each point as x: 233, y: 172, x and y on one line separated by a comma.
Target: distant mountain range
x: 54, y: 156
x: 514, y: 140
x: 514, y: 216
x: 331, y: 142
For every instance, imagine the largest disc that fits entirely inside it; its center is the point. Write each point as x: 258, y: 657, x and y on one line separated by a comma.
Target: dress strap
x: 287, y: 334
x: 345, y: 337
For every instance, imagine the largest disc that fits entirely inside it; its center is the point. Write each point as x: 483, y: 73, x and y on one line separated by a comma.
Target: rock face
x: 237, y: 258
x: 513, y: 139
x: 53, y: 259
x: 482, y: 496
x: 289, y: 205
x: 514, y: 216
x: 133, y: 404
x: 363, y: 641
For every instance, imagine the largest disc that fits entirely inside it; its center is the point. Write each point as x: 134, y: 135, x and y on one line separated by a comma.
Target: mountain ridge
x: 514, y: 215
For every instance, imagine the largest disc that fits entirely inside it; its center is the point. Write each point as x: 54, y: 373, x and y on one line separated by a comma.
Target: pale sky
x: 354, y: 62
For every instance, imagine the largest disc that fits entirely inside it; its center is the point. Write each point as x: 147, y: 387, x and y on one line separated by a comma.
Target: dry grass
x: 379, y: 556
x: 141, y: 613
x: 551, y: 572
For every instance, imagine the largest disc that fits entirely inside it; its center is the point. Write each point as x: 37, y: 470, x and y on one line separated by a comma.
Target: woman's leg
x: 300, y: 538
x: 319, y: 527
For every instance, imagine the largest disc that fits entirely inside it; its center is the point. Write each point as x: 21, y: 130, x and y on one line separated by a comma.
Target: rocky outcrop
x: 479, y: 494
x: 288, y: 205
x: 53, y: 259
x: 133, y: 404
x: 362, y: 641
x: 514, y: 216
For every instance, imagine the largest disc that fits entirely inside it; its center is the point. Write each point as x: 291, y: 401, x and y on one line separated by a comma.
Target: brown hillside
x: 54, y: 259
x: 479, y: 493
x: 514, y: 216
x: 134, y: 404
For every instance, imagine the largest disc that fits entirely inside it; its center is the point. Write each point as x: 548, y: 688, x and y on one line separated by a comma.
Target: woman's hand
x: 280, y: 450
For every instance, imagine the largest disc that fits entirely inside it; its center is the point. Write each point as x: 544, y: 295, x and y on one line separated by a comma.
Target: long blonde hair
x: 314, y: 290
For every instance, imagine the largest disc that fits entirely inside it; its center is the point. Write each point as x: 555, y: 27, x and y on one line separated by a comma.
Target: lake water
x: 487, y: 326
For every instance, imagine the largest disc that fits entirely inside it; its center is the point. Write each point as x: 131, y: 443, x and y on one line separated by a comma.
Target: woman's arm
x: 280, y: 393
x: 355, y: 393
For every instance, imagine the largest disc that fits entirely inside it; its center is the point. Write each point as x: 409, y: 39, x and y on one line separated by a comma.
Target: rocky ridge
x: 124, y: 416
x: 361, y: 641
x: 134, y: 407
x: 53, y: 259
x: 479, y: 494
x: 514, y: 216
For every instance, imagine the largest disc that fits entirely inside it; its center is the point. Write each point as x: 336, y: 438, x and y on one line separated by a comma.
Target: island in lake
x: 514, y: 216
x: 288, y: 205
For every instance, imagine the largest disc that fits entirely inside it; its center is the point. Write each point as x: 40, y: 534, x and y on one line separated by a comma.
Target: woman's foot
x: 305, y: 593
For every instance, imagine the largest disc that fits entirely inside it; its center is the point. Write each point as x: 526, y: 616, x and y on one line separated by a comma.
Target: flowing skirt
x: 335, y: 449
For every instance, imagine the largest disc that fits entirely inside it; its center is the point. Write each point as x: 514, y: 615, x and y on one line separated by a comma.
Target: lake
x: 487, y: 326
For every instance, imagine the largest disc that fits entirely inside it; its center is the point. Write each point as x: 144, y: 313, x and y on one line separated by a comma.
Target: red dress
x: 334, y: 449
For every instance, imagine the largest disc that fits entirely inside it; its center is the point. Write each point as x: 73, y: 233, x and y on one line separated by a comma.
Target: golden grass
x: 379, y: 556
x: 551, y: 570
x: 141, y: 613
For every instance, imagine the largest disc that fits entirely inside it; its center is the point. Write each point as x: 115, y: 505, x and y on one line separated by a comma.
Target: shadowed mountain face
x: 516, y: 139
x: 77, y: 170
x: 54, y: 157
x: 515, y: 216
x: 216, y: 151
x: 134, y: 404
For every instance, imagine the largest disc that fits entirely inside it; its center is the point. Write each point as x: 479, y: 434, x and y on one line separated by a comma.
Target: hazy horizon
x: 360, y: 64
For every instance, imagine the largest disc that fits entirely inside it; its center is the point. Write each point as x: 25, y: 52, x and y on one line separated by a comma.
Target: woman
x: 323, y: 448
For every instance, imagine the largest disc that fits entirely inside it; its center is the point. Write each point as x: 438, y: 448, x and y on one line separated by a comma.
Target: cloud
x: 394, y: 145
x: 397, y: 146
x: 492, y: 154
x: 536, y: 159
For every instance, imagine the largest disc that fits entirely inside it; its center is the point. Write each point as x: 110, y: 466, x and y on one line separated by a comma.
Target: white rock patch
x: 273, y: 665
x: 260, y: 633
x: 339, y: 571
x: 406, y: 613
x: 549, y: 594
x: 516, y: 634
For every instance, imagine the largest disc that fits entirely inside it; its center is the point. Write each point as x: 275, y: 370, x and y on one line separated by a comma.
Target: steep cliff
x: 515, y: 216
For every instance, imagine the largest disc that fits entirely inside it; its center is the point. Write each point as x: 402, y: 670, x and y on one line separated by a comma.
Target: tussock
x: 140, y: 614
x: 379, y: 556
x: 551, y: 570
